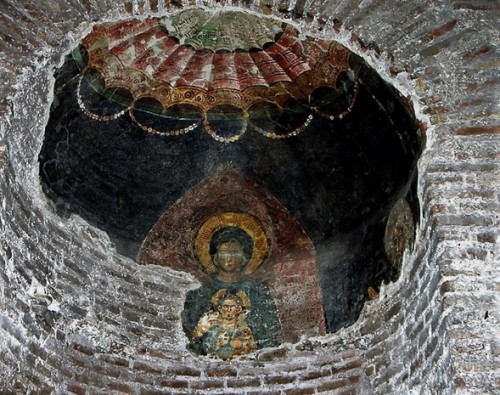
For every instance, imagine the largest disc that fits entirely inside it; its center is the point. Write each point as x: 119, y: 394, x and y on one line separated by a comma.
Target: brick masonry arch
x: 69, y: 325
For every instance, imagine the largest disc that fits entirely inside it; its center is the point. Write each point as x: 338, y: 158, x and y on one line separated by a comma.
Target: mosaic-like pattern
x: 221, y: 30
x: 304, y: 217
x: 203, y: 62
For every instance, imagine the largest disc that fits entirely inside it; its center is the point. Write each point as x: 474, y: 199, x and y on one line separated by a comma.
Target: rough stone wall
x: 75, y: 317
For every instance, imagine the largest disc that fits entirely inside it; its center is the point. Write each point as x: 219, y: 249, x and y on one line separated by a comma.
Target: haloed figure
x: 230, y: 260
x: 223, y: 331
x: 231, y: 314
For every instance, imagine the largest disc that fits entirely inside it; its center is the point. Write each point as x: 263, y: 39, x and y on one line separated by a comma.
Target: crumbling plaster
x: 77, y: 317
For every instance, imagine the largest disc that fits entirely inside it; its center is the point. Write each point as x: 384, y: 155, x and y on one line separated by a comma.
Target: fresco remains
x: 248, y: 319
x: 265, y: 164
x: 223, y: 332
x: 201, y: 66
x: 232, y: 235
x: 399, y: 233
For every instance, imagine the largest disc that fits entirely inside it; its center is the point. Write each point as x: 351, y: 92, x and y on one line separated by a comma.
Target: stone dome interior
x: 105, y: 268
x: 339, y: 174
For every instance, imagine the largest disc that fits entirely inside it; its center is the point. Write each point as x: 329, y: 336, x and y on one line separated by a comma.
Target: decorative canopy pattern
x: 222, y: 30
x: 337, y: 181
x: 205, y: 66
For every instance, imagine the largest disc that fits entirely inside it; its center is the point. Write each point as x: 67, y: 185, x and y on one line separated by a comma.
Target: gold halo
x: 244, y: 298
x: 239, y: 220
x: 224, y: 293
x: 218, y: 296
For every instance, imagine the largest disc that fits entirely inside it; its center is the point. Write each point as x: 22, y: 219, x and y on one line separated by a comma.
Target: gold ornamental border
x: 230, y: 219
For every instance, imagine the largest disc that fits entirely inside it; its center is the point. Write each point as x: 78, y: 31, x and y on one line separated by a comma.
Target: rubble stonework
x: 77, y: 317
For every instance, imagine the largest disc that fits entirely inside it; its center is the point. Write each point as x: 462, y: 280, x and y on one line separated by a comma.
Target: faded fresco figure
x: 230, y: 259
x: 207, y: 320
x: 223, y: 330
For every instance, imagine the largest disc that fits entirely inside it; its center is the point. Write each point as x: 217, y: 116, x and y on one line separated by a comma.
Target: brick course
x: 433, y: 330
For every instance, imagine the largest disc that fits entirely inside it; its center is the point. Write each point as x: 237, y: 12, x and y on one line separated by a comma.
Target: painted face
x: 230, y: 309
x: 229, y: 256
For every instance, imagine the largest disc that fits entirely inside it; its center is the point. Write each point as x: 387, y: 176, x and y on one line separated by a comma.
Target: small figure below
x: 223, y: 331
x: 210, y: 315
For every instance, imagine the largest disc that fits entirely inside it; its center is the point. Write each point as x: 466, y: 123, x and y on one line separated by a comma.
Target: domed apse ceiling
x: 159, y: 126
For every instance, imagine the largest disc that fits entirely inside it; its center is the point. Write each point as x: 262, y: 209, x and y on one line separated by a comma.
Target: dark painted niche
x: 339, y: 179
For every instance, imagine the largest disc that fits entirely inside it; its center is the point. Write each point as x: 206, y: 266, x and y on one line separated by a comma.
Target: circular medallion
x: 242, y: 221
x: 221, y: 30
